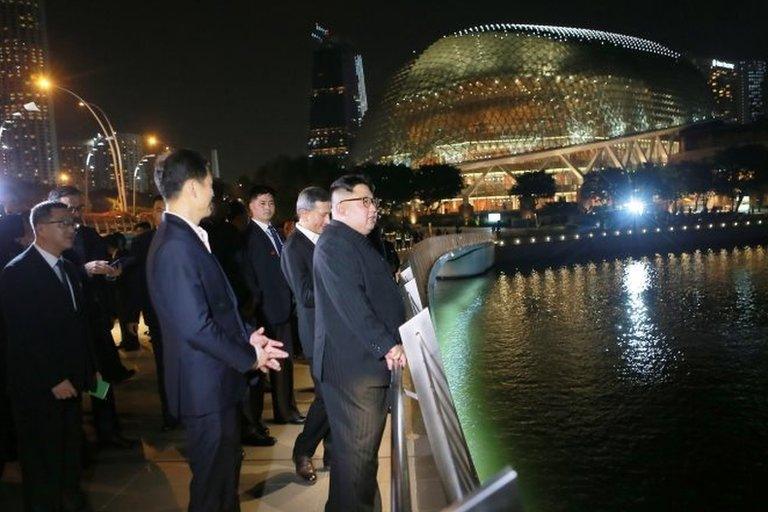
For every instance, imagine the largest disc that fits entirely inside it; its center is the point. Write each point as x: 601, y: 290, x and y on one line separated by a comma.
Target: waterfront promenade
x: 154, y: 477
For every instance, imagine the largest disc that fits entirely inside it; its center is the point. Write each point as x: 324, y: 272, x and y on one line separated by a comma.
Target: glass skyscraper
x: 338, y: 101
x: 29, y: 149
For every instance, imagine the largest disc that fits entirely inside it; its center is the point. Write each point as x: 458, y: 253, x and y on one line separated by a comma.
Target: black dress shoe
x: 255, y: 439
x: 294, y: 420
x: 305, y: 469
x: 118, y: 442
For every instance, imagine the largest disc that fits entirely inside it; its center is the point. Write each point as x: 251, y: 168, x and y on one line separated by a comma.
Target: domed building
x: 500, y: 99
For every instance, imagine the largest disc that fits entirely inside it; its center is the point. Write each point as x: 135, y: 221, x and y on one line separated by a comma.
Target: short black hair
x: 41, y: 212
x: 157, y: 198
x: 349, y: 182
x: 142, y: 225
x: 258, y: 190
x: 64, y: 191
x: 174, y: 168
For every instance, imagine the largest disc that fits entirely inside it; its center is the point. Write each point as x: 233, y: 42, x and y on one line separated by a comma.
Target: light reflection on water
x: 617, y: 385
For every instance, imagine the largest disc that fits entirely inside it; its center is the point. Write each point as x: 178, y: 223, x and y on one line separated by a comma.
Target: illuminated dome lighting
x: 498, y: 90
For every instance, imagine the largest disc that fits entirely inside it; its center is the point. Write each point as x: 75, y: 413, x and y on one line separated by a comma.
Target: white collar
x: 48, y: 257
x: 201, y: 233
x: 262, y: 225
x: 313, y: 237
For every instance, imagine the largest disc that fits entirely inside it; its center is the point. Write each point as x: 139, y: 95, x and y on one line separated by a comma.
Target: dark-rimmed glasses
x: 367, y: 201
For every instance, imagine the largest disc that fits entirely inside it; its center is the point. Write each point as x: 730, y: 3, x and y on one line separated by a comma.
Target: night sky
x: 235, y: 75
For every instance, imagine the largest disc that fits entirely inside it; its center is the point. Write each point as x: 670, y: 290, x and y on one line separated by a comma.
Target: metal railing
x: 400, y: 479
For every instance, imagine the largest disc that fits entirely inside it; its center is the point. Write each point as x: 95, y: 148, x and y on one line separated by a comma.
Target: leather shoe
x: 305, y: 469
x: 118, y: 442
x: 294, y: 420
x: 255, y: 439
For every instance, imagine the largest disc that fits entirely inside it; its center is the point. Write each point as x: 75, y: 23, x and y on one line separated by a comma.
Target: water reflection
x: 644, y: 347
x: 617, y: 385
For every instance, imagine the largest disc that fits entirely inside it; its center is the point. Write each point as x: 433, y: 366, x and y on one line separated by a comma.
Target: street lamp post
x: 135, y: 173
x: 110, y: 135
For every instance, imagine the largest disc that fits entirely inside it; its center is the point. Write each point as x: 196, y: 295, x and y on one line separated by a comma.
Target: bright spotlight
x: 636, y: 207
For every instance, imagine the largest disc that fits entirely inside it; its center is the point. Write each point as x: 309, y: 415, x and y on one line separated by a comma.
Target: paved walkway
x: 155, y: 477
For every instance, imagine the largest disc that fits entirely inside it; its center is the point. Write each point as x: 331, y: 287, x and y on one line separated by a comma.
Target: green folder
x: 101, y: 389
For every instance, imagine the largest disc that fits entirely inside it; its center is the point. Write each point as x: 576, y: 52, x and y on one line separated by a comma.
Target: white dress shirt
x: 201, y: 233
x: 53, y: 261
x: 313, y: 237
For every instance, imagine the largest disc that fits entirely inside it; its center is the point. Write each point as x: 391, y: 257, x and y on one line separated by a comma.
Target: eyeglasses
x: 66, y: 223
x: 367, y: 201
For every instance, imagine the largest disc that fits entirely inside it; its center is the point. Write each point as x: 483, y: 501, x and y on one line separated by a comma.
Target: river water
x: 632, y: 384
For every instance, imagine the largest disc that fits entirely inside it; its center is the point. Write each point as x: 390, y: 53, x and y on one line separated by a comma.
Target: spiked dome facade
x: 507, y: 89
x: 498, y: 90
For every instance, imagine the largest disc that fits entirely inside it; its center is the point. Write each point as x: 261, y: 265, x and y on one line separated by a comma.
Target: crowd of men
x: 229, y: 302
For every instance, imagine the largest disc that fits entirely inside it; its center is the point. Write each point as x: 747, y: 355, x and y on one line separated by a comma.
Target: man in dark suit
x: 358, y: 311
x: 313, y: 208
x: 271, y: 295
x: 89, y: 253
x: 50, y: 363
x: 207, y: 348
x: 139, y: 296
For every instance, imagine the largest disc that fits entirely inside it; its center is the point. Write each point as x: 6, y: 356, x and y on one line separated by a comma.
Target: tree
x: 289, y: 176
x: 392, y: 183
x: 435, y: 182
x: 695, y: 179
x: 742, y: 171
x: 608, y: 185
x: 531, y: 186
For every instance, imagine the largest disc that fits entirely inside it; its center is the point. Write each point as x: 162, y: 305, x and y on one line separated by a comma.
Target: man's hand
x: 100, y: 268
x: 395, y: 357
x: 268, y: 351
x: 64, y: 390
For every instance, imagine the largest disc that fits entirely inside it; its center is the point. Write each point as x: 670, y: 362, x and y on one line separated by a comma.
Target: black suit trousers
x: 357, y: 416
x: 157, y: 352
x: 215, y: 456
x: 316, y: 428
x: 50, y: 449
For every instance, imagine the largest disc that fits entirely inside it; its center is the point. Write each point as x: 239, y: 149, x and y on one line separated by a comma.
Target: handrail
x: 400, y: 483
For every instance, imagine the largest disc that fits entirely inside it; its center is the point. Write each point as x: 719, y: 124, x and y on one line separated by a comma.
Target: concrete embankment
x: 603, y: 244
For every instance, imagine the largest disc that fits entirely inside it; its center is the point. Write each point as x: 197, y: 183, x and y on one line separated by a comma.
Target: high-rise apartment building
x: 338, y: 101
x: 28, y: 147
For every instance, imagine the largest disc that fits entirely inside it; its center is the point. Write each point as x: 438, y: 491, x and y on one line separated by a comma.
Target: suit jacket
x: 262, y: 274
x: 90, y: 246
x: 136, y: 278
x: 206, y: 349
x: 48, y: 340
x: 296, y: 262
x: 358, y: 309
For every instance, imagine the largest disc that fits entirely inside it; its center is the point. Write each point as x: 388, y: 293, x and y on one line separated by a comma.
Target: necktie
x: 276, y: 238
x: 64, y: 281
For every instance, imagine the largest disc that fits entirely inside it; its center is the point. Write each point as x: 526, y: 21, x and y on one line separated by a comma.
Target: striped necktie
x: 276, y: 239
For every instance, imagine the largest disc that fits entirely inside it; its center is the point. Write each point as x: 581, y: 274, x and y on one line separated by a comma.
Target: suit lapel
x: 265, y: 241
x: 49, y: 275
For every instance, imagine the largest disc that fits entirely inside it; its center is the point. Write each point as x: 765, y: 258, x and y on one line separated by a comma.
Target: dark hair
x: 41, y: 212
x: 309, y: 196
x: 174, y: 168
x: 350, y: 181
x: 157, y: 198
x: 142, y: 225
x: 235, y: 209
x: 63, y: 191
x: 258, y: 190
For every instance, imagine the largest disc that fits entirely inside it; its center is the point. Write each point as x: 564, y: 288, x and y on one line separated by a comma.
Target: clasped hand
x: 101, y: 267
x: 268, y: 351
x: 395, y: 357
